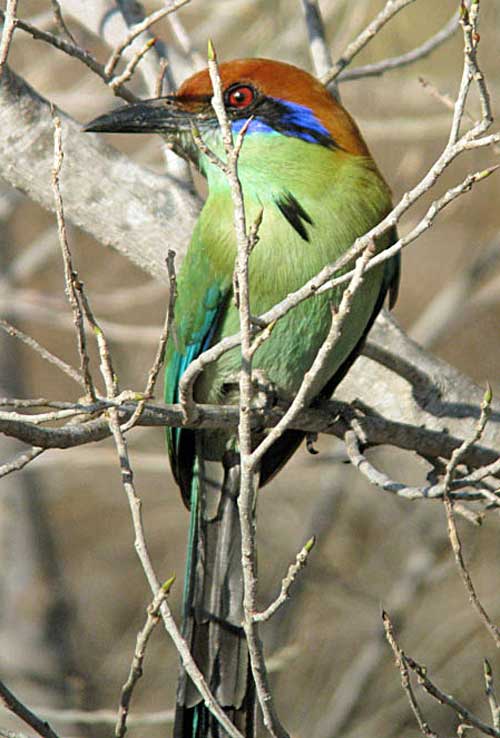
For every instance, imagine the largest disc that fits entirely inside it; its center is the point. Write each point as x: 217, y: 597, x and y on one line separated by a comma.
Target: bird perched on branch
x: 305, y: 168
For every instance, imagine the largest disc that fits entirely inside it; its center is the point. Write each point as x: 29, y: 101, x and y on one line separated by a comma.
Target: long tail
x: 213, y: 609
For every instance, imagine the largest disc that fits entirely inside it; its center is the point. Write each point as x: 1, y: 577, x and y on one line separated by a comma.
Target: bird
x: 307, y: 174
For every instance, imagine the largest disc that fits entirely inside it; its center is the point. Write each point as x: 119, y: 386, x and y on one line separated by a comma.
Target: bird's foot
x: 265, y: 395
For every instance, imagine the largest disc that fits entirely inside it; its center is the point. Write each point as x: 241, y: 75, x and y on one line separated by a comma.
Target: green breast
x: 343, y: 200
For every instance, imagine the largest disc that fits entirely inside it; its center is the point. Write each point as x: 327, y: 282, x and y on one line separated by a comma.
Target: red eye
x: 241, y: 96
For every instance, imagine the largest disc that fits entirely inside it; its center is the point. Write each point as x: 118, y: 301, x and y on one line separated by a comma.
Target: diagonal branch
x: 403, y: 60
x: 388, y: 11
x: 10, y: 701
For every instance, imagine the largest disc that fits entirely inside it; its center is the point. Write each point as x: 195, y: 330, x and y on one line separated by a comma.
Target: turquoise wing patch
x: 180, y: 442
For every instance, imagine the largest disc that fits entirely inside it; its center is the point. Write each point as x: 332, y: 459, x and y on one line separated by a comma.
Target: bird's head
x: 279, y: 98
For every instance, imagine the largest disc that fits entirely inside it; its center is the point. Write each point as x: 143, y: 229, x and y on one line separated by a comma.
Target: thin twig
x: 446, y: 699
x: 132, y: 65
x: 305, y: 392
x: 318, y: 46
x: 72, y: 50
x: 135, y: 672
x: 9, y: 25
x: 43, y: 352
x: 139, y: 28
x: 389, y: 11
x: 168, y: 326
x: 142, y: 551
x: 381, y: 480
x: 113, y: 421
x: 490, y: 693
x: 454, y: 536
x: 70, y: 276
x: 20, y: 461
x: 160, y: 79
x: 292, y: 573
x: 61, y: 22
x: 26, y: 715
x: 246, y: 497
x: 444, y: 98
x: 400, y: 659
x: 403, y: 60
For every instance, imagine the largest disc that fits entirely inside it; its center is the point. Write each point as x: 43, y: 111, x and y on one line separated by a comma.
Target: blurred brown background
x: 373, y: 550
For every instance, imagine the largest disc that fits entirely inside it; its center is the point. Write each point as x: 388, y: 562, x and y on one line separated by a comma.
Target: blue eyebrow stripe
x: 256, y: 126
x: 302, y: 117
x: 277, y: 116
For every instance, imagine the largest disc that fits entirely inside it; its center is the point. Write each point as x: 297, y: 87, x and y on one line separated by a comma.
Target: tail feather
x: 213, y: 609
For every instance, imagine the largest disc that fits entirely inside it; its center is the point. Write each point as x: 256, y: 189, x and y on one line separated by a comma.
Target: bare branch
x: 113, y: 421
x: 104, y: 192
x: 129, y: 70
x: 139, y: 28
x: 168, y: 326
x: 140, y: 651
x: 454, y: 536
x: 403, y: 60
x: 70, y: 276
x: 61, y: 22
x: 490, y: 693
x: 20, y: 461
x: 389, y: 11
x: 27, y: 716
x: 304, y: 393
x: 430, y: 492
x: 293, y: 571
x: 329, y: 418
x: 246, y: 497
x: 320, y: 52
x: 446, y: 699
x: 47, y: 355
x: 9, y: 24
x: 70, y: 49
x: 405, y: 677
x: 142, y: 552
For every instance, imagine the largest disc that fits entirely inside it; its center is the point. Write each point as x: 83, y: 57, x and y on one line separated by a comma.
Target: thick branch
x: 121, y: 204
x: 133, y: 210
x: 330, y: 419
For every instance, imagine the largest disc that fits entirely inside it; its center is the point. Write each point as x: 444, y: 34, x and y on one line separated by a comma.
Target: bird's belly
x: 288, y: 353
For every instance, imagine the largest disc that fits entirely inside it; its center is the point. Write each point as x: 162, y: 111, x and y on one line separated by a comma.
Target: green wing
x: 195, y: 327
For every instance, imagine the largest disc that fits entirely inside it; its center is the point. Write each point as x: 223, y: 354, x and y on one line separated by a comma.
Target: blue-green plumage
x: 305, y: 167
x: 307, y: 222
x: 337, y: 198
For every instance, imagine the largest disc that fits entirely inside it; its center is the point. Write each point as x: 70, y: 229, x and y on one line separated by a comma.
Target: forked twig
x: 402, y: 665
x: 455, y: 541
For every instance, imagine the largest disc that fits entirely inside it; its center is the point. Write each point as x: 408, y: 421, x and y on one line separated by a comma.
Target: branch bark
x: 122, y: 205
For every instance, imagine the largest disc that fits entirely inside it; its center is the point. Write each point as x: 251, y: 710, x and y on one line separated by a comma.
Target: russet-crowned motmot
x: 305, y: 165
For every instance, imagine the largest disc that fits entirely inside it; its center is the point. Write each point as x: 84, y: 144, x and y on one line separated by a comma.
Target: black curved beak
x: 165, y: 115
